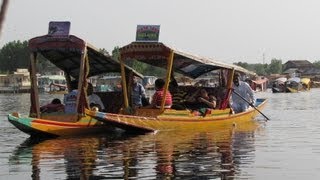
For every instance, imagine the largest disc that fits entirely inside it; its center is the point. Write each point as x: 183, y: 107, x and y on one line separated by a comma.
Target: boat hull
x: 177, y: 120
x: 45, y: 127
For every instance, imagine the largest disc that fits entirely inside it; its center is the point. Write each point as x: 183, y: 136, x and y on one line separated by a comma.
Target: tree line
x: 15, y: 55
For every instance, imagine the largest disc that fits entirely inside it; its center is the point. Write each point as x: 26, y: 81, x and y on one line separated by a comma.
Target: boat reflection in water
x: 217, y: 153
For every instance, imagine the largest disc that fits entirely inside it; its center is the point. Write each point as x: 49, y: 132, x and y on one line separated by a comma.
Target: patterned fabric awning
x: 65, y: 53
x: 156, y: 54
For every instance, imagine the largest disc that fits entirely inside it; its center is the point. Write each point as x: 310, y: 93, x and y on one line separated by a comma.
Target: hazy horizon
x: 229, y: 31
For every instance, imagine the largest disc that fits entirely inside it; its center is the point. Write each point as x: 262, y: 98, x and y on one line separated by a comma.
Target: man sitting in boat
x: 94, y: 100
x: 70, y: 99
x: 244, y: 90
x: 158, y: 95
x: 54, y: 106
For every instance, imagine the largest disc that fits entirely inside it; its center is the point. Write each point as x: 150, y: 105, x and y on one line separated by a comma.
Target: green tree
x: 14, y: 55
x: 316, y: 64
x: 116, y: 53
x: 260, y: 69
x: 275, y: 66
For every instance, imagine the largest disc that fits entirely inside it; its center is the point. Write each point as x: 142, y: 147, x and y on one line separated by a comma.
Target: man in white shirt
x: 94, y: 100
x: 244, y: 90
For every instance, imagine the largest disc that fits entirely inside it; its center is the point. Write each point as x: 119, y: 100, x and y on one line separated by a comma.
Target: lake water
x: 286, y: 147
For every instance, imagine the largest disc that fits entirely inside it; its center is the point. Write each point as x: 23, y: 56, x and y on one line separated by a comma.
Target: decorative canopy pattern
x: 156, y: 54
x: 65, y: 53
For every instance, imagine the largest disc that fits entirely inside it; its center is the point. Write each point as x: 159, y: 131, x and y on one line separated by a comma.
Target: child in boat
x: 158, y: 96
x: 54, y: 106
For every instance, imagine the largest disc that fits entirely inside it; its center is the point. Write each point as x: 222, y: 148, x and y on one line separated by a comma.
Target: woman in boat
x: 158, y: 96
x: 54, y: 106
x: 206, y: 100
x: 202, y: 103
x: 178, y: 96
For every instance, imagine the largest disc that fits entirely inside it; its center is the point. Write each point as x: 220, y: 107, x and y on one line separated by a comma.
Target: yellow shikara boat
x: 160, y: 55
x: 306, y: 84
x: 79, y: 60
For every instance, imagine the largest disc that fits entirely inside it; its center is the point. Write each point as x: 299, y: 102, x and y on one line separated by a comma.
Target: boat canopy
x: 281, y: 79
x: 294, y: 79
x: 305, y: 81
x: 66, y: 52
x: 156, y: 54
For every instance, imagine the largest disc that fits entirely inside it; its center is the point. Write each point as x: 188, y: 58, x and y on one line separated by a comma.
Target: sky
x: 252, y: 31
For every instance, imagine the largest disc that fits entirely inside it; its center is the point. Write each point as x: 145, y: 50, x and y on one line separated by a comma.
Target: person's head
x: 89, y: 89
x: 135, y: 79
x: 173, y: 86
x: 203, y: 93
x: 159, y: 83
x: 236, y: 78
x: 56, y: 101
x: 74, y: 84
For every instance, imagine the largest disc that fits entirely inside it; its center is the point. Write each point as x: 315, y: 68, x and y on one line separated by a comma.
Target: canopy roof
x: 65, y: 53
x: 305, y: 80
x: 294, y: 79
x: 156, y: 54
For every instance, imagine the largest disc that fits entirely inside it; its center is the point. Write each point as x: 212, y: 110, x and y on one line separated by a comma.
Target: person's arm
x: 99, y: 101
x: 153, y: 101
x: 142, y: 91
x: 211, y: 104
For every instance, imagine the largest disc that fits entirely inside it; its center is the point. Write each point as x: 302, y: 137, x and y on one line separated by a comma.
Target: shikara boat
x: 162, y: 119
x: 278, y: 85
x: 291, y: 85
x: 306, y: 84
x: 79, y: 60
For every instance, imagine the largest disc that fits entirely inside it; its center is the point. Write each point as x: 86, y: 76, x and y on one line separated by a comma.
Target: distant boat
x: 259, y: 84
x: 291, y: 85
x: 278, y: 85
x: 53, y: 84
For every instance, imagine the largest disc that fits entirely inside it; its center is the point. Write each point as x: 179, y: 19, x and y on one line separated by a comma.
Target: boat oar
x: 250, y: 104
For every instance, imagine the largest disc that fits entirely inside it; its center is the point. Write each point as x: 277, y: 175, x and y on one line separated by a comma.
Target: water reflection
x: 165, y: 155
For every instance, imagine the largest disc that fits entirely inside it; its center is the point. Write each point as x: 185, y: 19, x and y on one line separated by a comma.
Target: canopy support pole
x: 229, y: 89
x: 81, y: 77
x: 34, y: 87
x: 124, y: 83
x: 166, y: 86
